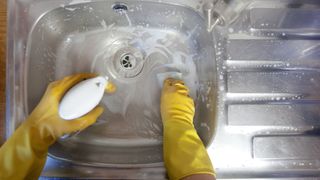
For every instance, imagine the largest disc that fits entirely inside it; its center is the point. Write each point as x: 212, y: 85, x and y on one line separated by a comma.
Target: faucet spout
x: 212, y: 17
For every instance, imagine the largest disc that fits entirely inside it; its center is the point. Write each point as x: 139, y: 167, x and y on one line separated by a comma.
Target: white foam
x: 164, y: 51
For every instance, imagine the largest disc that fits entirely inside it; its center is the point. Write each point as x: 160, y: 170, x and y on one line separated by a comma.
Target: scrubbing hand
x: 184, y: 152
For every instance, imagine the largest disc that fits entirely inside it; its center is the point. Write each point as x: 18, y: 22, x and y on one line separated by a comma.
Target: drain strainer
x: 127, y: 63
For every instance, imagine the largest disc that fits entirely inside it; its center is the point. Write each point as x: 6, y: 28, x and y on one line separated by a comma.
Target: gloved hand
x: 24, y: 154
x: 184, y: 152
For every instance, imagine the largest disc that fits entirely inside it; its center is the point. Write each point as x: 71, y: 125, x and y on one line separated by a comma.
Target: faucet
x: 223, y: 12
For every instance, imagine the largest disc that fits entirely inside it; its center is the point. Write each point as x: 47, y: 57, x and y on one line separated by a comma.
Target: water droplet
x: 231, y: 30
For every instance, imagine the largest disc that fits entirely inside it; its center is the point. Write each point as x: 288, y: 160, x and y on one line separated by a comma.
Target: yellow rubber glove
x: 24, y: 154
x: 184, y: 152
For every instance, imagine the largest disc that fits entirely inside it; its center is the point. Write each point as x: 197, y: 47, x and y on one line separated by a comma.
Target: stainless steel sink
x: 255, y: 63
x: 118, y: 40
x: 134, y: 43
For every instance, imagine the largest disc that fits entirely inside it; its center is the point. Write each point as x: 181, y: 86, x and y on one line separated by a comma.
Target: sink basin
x: 255, y: 63
x: 119, y: 41
x: 135, y: 44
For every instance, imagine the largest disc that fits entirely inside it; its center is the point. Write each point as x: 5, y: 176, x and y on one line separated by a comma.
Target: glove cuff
x: 184, y: 152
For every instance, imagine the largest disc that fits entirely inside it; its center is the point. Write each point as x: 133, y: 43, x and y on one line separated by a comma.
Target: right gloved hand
x: 184, y: 152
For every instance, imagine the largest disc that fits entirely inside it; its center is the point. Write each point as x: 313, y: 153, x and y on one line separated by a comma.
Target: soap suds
x: 137, y: 100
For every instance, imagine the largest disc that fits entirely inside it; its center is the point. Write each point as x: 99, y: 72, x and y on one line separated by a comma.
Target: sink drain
x: 120, y: 7
x: 128, y: 61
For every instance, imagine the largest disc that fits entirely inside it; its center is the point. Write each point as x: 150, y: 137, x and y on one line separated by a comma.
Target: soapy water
x: 136, y: 103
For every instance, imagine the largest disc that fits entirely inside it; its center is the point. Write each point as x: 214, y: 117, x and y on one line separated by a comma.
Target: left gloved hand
x: 24, y: 154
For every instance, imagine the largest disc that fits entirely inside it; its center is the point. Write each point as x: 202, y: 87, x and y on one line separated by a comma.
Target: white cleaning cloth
x: 163, y: 76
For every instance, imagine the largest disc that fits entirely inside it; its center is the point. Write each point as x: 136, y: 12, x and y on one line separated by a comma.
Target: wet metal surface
x: 268, y: 73
x: 259, y: 68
